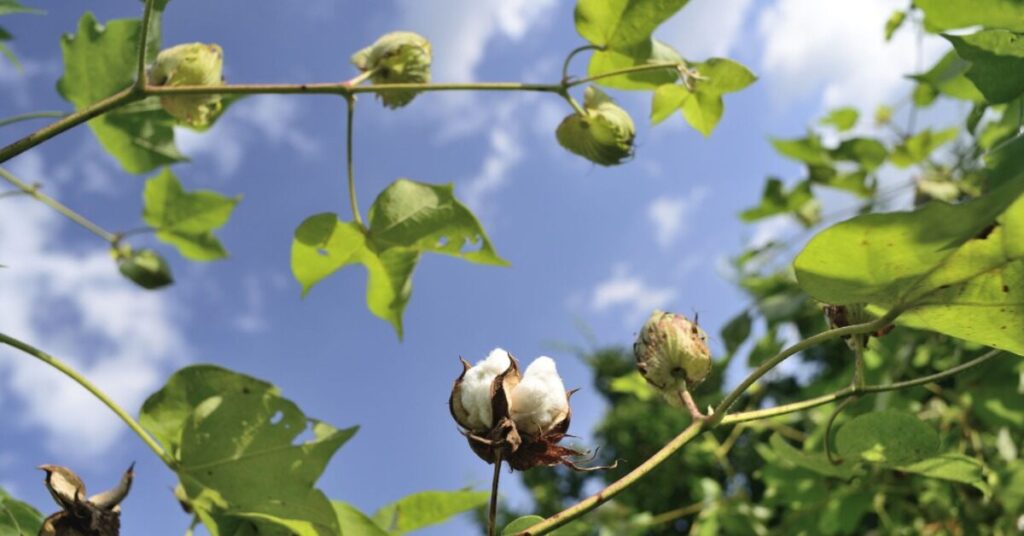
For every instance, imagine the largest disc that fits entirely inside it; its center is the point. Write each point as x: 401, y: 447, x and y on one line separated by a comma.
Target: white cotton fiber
x: 539, y: 401
x: 475, y: 392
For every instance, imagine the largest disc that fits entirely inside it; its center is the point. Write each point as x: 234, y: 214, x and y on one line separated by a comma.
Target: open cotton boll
x: 539, y: 401
x: 475, y: 390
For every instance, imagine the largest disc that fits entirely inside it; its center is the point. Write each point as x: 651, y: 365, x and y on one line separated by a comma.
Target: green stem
x: 492, y: 511
x: 785, y: 409
x: 572, y: 54
x: 620, y: 485
x: 353, y: 202
x: 34, y: 192
x: 31, y: 115
x: 140, y: 72
x: 827, y: 439
x: 809, y: 342
x: 81, y: 380
x: 71, y: 120
x: 628, y: 70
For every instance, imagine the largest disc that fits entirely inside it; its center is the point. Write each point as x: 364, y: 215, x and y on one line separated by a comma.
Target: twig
x: 34, y: 192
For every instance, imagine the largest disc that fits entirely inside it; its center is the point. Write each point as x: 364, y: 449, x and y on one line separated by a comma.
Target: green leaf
x: 955, y: 279
x: 237, y: 455
x: 997, y: 62
x: 145, y: 268
x: 886, y: 437
x: 719, y: 76
x: 736, y: 331
x: 894, y: 22
x: 428, y: 218
x: 856, y: 182
x: 18, y: 518
x: 99, y: 61
x: 951, y: 14
x: 650, y: 51
x: 948, y: 77
x: 520, y: 524
x: 352, y: 521
x: 667, y: 99
x: 814, y: 461
x: 798, y: 201
x: 953, y: 467
x: 921, y: 145
x: 632, y: 384
x: 186, y: 219
x: 842, y: 119
x: 703, y: 111
x: 621, y: 24
x: 869, y: 153
x: 11, y: 7
x: 808, y: 150
x: 323, y: 245
x: 427, y: 508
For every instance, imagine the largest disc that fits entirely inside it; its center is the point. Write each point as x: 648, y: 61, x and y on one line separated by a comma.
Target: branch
x: 81, y: 380
x: 350, y: 117
x: 140, y: 71
x: 34, y: 192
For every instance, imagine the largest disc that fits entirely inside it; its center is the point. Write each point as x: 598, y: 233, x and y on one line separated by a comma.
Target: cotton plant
x: 511, y: 416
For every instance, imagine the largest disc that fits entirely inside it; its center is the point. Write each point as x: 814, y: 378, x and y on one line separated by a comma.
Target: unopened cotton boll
x: 539, y: 401
x: 475, y: 389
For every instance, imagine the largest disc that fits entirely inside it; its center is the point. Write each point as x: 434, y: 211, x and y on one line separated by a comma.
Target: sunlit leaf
x: 948, y: 77
x: 621, y: 24
x: 921, y: 145
x: 775, y: 199
x: 18, y: 518
x: 650, y: 51
x: 997, y: 62
x: 952, y: 14
x: 841, y: 118
x: 427, y: 508
x: 953, y: 467
x: 186, y: 219
x: 353, y: 521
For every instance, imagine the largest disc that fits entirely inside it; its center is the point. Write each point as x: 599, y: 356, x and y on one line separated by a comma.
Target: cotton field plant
x: 907, y: 327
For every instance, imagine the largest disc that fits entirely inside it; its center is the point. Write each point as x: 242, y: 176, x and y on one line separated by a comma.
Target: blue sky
x: 591, y: 246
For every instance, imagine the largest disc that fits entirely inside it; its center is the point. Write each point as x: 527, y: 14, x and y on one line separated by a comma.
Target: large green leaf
x: 100, y: 60
x: 621, y: 24
x: 953, y: 467
x: 951, y: 14
x: 352, y: 521
x: 997, y: 62
x: 323, y: 245
x: 238, y: 455
x: 428, y: 218
x: 186, y: 219
x: 649, y: 51
x: 814, y: 461
x: 972, y: 288
x: 886, y: 437
x: 18, y: 518
x: 426, y: 508
x: 948, y: 76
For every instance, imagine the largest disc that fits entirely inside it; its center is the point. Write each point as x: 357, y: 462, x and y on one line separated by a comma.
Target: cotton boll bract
x: 539, y: 402
x: 672, y: 354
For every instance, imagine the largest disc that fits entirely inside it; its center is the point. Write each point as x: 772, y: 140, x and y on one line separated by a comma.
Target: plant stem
x: 350, y: 100
x: 71, y: 120
x: 34, y: 192
x: 140, y: 70
x: 95, y: 391
x: 845, y: 392
x: 828, y: 429
x: 492, y: 512
x: 618, y: 486
x: 31, y: 115
x: 572, y: 54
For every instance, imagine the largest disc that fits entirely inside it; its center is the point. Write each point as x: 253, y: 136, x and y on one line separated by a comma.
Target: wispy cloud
x: 630, y: 294
x: 706, y: 28
x: 76, y: 306
x: 670, y: 215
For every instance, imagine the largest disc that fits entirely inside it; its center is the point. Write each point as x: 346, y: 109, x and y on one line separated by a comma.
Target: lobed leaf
x: 621, y: 24
x: 186, y: 220
x: 997, y: 62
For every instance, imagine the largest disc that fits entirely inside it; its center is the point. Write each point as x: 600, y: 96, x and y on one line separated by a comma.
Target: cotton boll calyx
x: 472, y: 401
x: 190, y: 64
x: 396, y: 58
x: 539, y: 402
x: 672, y: 354
x: 603, y: 133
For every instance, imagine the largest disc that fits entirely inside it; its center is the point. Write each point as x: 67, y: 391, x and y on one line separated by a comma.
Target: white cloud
x: 705, y: 28
x: 77, y: 307
x: 253, y: 319
x: 504, y: 152
x: 670, y: 214
x: 274, y: 118
x: 17, y: 83
x: 838, y: 46
x: 629, y: 293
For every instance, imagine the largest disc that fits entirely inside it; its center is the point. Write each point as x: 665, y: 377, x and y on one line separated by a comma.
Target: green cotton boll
x: 672, y: 354
x: 145, y: 268
x: 190, y: 64
x: 603, y: 133
x: 396, y: 58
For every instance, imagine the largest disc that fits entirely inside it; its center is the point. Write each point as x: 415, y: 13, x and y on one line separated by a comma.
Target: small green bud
x: 191, y: 64
x: 145, y: 268
x: 603, y: 133
x: 396, y: 58
x: 672, y: 354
